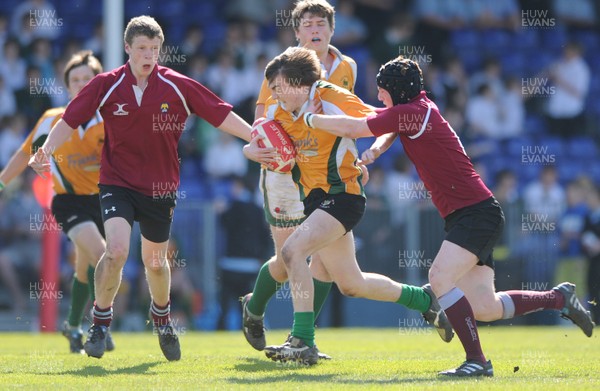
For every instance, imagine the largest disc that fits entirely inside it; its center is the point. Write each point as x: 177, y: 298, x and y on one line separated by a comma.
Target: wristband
x: 2, y: 185
x: 308, y: 119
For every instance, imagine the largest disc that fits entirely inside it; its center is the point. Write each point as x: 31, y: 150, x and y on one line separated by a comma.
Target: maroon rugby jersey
x: 436, y: 151
x: 140, y: 146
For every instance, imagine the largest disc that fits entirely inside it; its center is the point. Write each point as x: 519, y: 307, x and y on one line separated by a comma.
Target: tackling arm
x: 236, y: 126
x: 381, y: 144
x: 339, y: 125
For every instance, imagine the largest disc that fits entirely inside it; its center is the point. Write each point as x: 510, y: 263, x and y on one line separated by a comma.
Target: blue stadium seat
x: 513, y: 63
x: 570, y: 169
x: 496, y: 39
x: 525, y: 39
x: 514, y: 146
x: 582, y: 148
x: 137, y: 8
x: 534, y: 125
x: 593, y: 169
x: 555, y: 146
x: 538, y: 60
x: 466, y: 38
x: 554, y: 38
x: 589, y: 39
x: 471, y: 58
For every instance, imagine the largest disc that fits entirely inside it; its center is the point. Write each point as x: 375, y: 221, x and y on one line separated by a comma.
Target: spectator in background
x: 456, y: 82
x: 434, y: 85
x: 39, y: 16
x: 34, y: 99
x: 71, y: 47
x: 512, y: 109
x: 544, y: 204
x: 491, y: 74
x: 224, y: 158
x: 373, y: 232
x: 21, y: 250
x: 8, y: 104
x: 224, y: 78
x: 570, y: 227
x: 506, y: 190
x: 570, y: 76
x: 4, y: 33
x: 545, y: 196
x: 11, y: 137
x: 41, y: 57
x: 60, y: 93
x: 192, y: 41
x: 590, y: 240
x: 25, y: 35
x: 494, y: 14
x: 575, y: 13
x: 248, y: 241
x: 483, y: 114
x: 350, y: 31
x: 284, y: 38
x: 399, y: 182
x: 252, y: 46
x: 257, y: 11
x: 572, y: 220
x: 398, y: 36
x: 437, y: 20
x: 95, y: 43
x: 13, y: 67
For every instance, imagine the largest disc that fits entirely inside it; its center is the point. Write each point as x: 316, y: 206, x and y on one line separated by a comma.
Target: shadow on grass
x: 96, y: 370
x: 298, y: 373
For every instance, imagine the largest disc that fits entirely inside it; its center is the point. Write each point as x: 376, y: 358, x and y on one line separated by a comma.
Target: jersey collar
x: 131, y: 78
x: 311, y: 96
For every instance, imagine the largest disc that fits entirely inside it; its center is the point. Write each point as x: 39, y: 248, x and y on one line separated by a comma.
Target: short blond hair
x: 143, y: 25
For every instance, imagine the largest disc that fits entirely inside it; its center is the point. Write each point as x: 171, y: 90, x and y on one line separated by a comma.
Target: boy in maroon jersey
x: 144, y: 107
x: 462, y: 274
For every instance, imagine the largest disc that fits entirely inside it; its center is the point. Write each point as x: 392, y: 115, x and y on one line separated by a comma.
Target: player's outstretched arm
x: 14, y: 167
x: 236, y: 126
x: 381, y: 144
x: 339, y: 125
x: 40, y: 161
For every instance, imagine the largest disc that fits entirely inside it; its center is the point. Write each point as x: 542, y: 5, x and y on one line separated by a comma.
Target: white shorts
x: 282, y: 204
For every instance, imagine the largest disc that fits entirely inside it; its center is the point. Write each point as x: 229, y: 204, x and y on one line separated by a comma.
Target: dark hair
x: 402, y: 78
x: 316, y: 7
x: 83, y: 57
x: 143, y: 25
x: 300, y: 66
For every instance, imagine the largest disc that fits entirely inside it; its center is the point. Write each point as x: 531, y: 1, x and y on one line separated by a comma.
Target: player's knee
x: 349, y: 290
x: 116, y: 255
x: 287, y: 254
x: 437, y: 279
x: 485, y: 310
x: 156, y: 265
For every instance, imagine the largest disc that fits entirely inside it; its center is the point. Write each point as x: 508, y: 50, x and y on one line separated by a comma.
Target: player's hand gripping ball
x: 275, y: 137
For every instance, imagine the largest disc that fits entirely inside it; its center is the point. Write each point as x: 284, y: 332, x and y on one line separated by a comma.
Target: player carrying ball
x: 314, y: 24
x: 330, y: 187
x: 462, y: 273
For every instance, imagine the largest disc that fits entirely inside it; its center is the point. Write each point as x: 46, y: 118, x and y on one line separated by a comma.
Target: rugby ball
x: 274, y: 136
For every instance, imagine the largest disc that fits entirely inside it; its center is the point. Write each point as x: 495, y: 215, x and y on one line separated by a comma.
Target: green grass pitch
x: 524, y: 358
